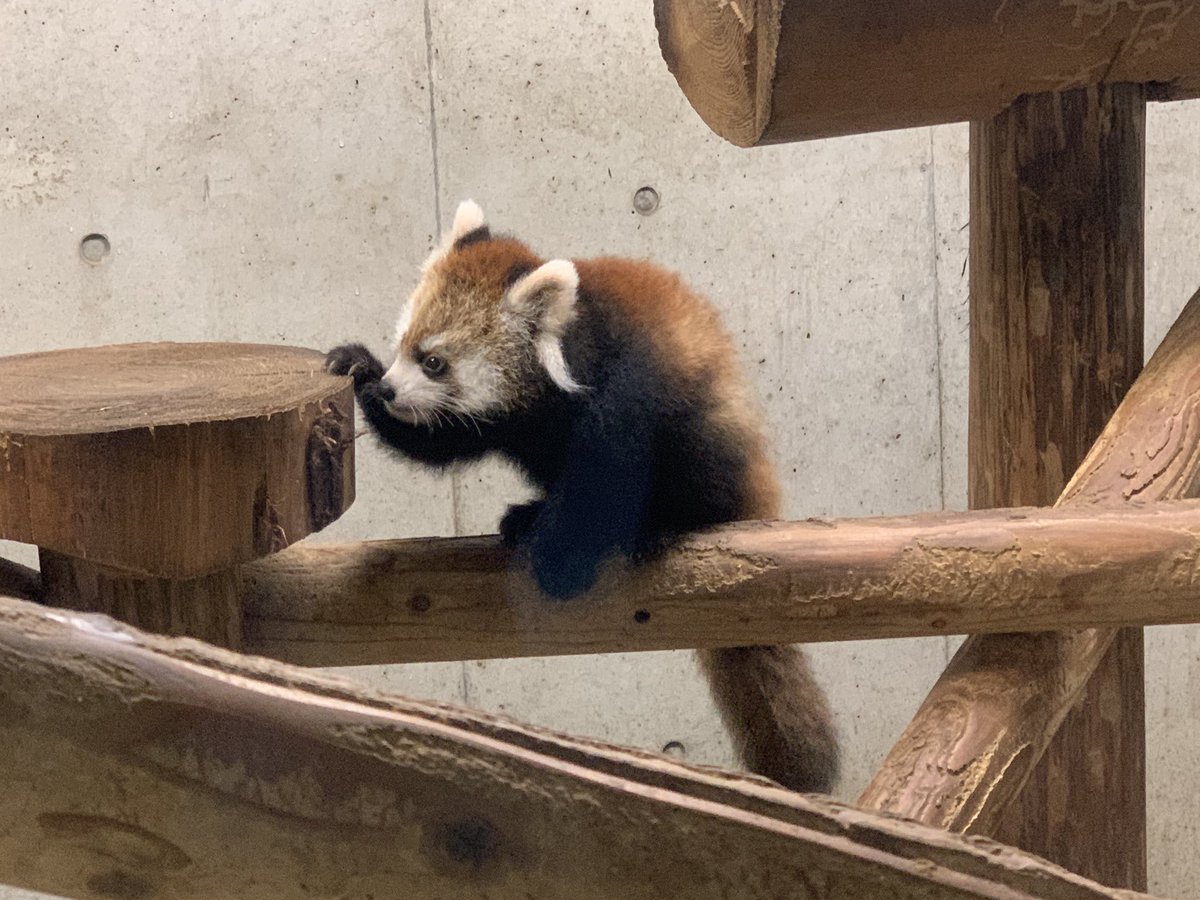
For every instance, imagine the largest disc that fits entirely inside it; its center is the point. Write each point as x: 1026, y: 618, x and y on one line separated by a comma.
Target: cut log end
x: 723, y: 56
x: 771, y: 71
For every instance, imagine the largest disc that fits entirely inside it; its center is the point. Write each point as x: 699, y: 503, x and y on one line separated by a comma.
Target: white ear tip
x: 562, y: 270
x: 468, y: 217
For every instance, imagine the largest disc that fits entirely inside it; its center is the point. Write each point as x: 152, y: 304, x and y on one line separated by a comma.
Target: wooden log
x: 208, y: 607
x: 770, y: 71
x: 20, y: 581
x: 802, y: 582
x: 138, y: 766
x: 172, y: 460
x: 1056, y: 338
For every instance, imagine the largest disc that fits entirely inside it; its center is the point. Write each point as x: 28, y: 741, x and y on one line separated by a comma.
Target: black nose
x: 386, y: 391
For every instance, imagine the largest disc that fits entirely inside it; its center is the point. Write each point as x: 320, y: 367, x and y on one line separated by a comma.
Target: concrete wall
x: 275, y: 172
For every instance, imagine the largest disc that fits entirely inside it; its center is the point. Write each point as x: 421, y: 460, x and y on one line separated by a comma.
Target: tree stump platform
x: 146, y: 473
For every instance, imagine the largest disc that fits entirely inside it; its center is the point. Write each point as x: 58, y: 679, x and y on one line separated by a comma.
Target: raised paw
x: 518, y: 520
x: 356, y: 361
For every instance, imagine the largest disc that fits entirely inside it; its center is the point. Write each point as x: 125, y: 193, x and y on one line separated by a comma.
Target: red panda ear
x: 546, y: 296
x: 467, y: 218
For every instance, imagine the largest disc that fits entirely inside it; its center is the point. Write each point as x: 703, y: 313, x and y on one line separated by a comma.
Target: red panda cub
x: 617, y: 392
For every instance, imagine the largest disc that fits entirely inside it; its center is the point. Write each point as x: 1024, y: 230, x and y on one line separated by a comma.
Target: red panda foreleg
x: 597, y: 506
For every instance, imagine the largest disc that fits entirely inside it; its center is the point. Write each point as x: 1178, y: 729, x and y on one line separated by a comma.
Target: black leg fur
x: 356, y: 361
x: 518, y: 520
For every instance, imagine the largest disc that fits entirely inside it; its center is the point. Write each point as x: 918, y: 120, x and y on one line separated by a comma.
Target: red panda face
x: 482, y: 333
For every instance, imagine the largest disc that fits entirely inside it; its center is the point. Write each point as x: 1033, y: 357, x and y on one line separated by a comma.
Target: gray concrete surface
x: 275, y: 172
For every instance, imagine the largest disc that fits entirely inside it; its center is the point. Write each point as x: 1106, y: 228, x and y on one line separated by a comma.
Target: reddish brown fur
x: 689, y: 329
x: 460, y: 293
x: 767, y: 697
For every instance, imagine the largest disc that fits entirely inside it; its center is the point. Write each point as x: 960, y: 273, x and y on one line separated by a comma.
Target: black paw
x: 561, y: 573
x: 518, y: 520
x: 356, y: 361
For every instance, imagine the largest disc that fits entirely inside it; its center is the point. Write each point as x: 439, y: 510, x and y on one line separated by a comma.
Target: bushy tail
x: 776, y: 714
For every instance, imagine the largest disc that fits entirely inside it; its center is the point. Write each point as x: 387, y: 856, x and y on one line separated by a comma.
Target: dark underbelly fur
x: 629, y: 466
x: 696, y: 479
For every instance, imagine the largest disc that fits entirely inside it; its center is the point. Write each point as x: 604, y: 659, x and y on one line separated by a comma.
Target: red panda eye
x: 433, y: 365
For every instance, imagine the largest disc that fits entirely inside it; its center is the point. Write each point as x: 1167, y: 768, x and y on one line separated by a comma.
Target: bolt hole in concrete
x: 94, y: 248
x: 674, y: 748
x: 645, y: 201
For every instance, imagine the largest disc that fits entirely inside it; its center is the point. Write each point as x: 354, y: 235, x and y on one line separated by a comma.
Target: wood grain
x: 803, y: 582
x: 771, y: 71
x: 172, y: 460
x: 208, y: 608
x: 140, y: 766
x: 1056, y: 313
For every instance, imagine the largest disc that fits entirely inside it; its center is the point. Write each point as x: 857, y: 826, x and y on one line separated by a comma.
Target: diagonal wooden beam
x: 850, y: 579
x: 979, y: 734
x: 138, y: 766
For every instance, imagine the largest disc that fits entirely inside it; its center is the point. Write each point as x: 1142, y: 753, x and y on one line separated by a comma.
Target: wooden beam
x: 770, y: 71
x: 138, y: 766
x: 1056, y: 338
x: 802, y: 582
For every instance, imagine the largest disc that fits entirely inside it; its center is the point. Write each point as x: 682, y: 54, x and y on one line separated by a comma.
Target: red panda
x: 616, y: 390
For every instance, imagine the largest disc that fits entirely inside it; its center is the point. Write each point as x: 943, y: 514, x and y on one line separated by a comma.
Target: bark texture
x: 771, y: 71
x: 751, y: 583
x: 1056, y: 339
x: 138, y: 766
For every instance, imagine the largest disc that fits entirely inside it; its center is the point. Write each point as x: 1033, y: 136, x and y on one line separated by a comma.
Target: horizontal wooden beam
x: 976, y: 739
x: 802, y: 582
x: 137, y: 766
x: 769, y: 71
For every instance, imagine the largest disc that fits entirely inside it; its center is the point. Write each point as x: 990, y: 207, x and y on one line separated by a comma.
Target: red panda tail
x: 776, y: 714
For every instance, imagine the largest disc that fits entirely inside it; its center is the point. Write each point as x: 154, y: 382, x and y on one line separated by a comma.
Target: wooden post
x: 1057, y: 193
x: 986, y: 723
x: 1056, y: 340
x: 208, y: 608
